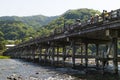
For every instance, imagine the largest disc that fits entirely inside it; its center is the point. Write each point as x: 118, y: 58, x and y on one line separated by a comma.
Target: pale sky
x: 52, y: 7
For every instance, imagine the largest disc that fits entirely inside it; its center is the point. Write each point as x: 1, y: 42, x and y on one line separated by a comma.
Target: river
x: 34, y: 71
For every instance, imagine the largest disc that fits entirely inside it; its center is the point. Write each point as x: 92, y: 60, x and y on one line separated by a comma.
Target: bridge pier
x: 97, y: 52
x: 49, y: 55
x: 22, y: 53
x: 57, y: 55
x: 115, y: 53
x: 107, y: 54
x: 46, y: 55
x: 34, y: 52
x: 86, y: 55
x: 40, y: 54
x: 64, y: 55
x: 73, y: 53
x: 53, y: 56
x: 81, y: 54
x: 29, y: 53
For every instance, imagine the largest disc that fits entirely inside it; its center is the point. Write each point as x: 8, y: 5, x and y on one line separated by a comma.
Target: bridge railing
x: 98, y: 19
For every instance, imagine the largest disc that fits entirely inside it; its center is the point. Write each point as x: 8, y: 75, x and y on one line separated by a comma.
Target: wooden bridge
x: 70, y: 44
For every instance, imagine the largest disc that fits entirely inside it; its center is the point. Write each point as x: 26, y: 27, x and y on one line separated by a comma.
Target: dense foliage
x: 33, y: 21
x: 13, y: 30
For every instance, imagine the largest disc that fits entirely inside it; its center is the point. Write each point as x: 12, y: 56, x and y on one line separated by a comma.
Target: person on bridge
x: 78, y: 21
x: 96, y: 18
x: 105, y: 15
x: 91, y: 20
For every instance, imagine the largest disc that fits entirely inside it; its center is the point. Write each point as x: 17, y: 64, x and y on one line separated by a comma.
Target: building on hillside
x: 9, y: 46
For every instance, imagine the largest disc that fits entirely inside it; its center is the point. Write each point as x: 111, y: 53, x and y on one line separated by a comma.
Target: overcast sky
x: 52, y: 7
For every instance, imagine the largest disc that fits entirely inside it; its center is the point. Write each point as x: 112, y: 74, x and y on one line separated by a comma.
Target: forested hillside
x: 33, y: 21
x: 13, y: 30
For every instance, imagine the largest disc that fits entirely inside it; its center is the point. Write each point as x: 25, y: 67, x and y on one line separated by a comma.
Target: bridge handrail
x: 99, y: 19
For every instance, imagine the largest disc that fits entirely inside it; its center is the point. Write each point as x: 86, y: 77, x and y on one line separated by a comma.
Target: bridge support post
x: 64, y: 55
x: 81, y: 54
x: 73, y: 54
x: 34, y: 54
x: 20, y: 52
x: 27, y: 56
x: 40, y: 52
x: 49, y: 54
x: 107, y: 54
x: 23, y: 53
x: 28, y: 53
x: 115, y: 63
x: 57, y: 56
x: 86, y: 55
x: 53, y: 55
x: 45, y: 56
x: 97, y: 49
x: 15, y: 53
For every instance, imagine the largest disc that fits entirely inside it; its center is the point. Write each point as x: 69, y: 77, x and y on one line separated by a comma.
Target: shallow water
x: 33, y: 71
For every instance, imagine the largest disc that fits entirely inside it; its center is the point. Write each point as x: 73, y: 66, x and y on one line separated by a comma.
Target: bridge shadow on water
x: 93, y: 74
x: 97, y: 76
x: 78, y: 73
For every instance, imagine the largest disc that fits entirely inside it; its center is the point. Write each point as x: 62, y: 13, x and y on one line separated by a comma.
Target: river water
x: 34, y: 71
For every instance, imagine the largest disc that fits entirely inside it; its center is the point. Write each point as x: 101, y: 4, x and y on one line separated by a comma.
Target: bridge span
x: 71, y: 44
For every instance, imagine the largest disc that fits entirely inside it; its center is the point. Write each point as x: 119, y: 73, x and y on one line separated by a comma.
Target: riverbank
x: 31, y: 71
x: 4, y: 57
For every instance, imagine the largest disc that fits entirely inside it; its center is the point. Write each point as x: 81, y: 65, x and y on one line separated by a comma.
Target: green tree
x: 1, y: 36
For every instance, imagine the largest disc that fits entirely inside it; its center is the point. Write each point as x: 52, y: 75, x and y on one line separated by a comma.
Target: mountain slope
x: 13, y: 30
x: 33, y: 21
